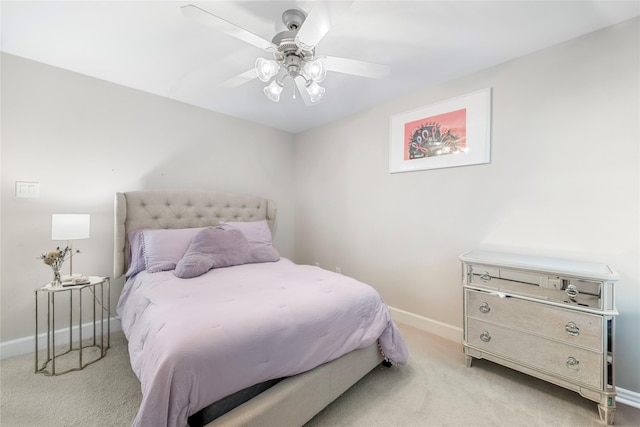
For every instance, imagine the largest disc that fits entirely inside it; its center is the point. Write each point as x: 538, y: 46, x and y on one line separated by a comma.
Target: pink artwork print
x: 439, y: 135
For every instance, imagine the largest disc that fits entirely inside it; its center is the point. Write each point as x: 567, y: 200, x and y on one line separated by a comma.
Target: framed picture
x: 455, y: 132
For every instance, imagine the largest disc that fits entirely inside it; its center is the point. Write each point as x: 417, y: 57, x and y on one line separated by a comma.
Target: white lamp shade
x: 70, y: 226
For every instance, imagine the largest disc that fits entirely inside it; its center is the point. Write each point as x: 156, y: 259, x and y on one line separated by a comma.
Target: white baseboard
x: 628, y: 397
x: 453, y: 333
x: 27, y: 345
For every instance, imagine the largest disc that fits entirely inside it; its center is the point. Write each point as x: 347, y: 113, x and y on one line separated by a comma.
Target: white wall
x: 563, y: 181
x: 84, y: 139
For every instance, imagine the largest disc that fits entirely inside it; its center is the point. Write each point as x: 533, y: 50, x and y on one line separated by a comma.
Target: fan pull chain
x: 294, y: 91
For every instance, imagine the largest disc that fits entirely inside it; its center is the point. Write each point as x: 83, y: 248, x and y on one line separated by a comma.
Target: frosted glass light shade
x: 316, y: 70
x: 70, y: 226
x: 273, y: 91
x: 266, y: 69
x: 315, y: 91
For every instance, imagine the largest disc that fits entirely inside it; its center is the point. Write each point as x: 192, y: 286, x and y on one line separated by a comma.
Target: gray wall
x: 84, y: 139
x: 563, y: 181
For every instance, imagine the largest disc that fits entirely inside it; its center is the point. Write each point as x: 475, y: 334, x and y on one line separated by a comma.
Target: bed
x: 200, y: 335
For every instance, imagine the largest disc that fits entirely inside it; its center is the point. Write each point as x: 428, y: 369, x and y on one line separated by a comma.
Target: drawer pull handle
x: 572, y: 329
x: 485, y: 277
x: 484, y: 308
x: 572, y: 291
x: 484, y: 336
x: 573, y: 363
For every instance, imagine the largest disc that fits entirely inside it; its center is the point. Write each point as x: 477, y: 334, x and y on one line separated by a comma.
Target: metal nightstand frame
x: 95, y: 283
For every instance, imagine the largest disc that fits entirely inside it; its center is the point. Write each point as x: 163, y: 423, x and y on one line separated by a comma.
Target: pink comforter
x: 195, y: 341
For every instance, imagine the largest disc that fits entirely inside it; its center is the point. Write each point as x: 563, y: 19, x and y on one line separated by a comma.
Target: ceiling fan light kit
x: 294, y: 51
x: 292, y: 59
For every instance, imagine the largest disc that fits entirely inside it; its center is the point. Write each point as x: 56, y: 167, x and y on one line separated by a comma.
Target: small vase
x: 57, y: 281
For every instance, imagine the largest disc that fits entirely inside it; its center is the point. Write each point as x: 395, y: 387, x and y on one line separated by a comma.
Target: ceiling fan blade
x: 319, y: 21
x: 240, y: 79
x: 356, y: 68
x: 200, y: 15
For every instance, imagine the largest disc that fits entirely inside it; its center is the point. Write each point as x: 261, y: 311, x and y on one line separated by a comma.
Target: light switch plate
x: 30, y: 190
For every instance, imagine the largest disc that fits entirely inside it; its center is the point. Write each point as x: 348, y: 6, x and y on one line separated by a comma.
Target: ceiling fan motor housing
x: 286, y: 40
x: 289, y: 54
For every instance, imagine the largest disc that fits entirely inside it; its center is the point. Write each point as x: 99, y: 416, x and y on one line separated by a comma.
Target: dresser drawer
x: 570, y: 326
x: 559, y: 359
x: 562, y: 290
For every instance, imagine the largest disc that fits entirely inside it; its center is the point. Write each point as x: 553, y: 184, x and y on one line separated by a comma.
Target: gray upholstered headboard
x: 180, y: 209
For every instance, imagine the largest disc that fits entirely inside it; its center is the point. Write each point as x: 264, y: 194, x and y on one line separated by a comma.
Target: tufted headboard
x: 180, y: 209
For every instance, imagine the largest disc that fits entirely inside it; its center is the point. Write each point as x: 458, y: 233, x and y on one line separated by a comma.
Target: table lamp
x: 70, y: 227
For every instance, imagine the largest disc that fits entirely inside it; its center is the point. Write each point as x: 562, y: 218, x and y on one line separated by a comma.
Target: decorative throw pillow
x: 214, y: 247
x: 259, y: 236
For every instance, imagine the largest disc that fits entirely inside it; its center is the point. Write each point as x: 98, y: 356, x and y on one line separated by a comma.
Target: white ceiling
x: 150, y: 46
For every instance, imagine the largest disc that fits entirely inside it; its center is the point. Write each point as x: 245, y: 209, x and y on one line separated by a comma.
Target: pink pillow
x: 217, y: 247
x: 163, y: 248
x: 256, y: 232
x: 213, y: 247
x: 136, y: 253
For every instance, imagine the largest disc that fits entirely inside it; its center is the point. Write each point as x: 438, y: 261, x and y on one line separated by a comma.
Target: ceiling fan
x: 293, y: 51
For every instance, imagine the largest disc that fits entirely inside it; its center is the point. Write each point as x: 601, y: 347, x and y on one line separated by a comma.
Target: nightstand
x: 99, y: 290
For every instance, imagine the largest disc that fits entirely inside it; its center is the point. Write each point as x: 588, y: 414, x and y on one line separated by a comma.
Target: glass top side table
x: 100, y: 288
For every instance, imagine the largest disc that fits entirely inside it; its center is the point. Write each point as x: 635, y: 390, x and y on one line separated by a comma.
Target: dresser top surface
x: 536, y: 263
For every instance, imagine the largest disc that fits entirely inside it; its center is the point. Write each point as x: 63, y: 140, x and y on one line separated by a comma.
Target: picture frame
x: 451, y: 133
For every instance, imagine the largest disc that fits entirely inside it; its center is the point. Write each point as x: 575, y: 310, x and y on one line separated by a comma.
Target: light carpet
x: 433, y: 389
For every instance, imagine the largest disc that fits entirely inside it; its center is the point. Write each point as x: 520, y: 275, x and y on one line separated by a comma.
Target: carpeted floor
x: 434, y: 389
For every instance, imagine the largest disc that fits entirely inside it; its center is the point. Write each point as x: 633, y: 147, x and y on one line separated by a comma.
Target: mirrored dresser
x: 549, y: 318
